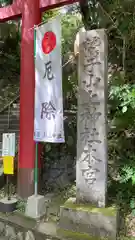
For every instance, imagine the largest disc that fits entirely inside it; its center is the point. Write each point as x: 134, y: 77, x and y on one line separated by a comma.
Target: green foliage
x: 21, y: 206
x: 121, y: 138
x: 5, y: 2
x: 122, y: 101
x: 132, y: 206
x: 9, y: 61
x: 128, y: 173
x: 49, y: 14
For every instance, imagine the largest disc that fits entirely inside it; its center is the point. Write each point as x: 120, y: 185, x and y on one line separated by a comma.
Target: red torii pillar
x: 30, y: 11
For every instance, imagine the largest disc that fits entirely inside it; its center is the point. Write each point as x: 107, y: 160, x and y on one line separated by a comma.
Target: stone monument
x: 91, y: 169
x: 88, y: 215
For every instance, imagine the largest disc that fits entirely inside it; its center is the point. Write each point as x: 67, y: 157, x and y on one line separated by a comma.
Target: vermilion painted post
x: 31, y: 16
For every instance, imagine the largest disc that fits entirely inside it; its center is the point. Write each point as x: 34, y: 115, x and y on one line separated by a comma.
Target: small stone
x: 36, y: 206
x: 10, y: 232
x: 3, y: 238
x: 19, y: 236
x: 2, y: 227
x: 29, y: 236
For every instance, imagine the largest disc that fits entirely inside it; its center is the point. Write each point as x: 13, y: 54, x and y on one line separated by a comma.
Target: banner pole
x: 36, y: 152
x: 36, y: 171
x: 8, y: 188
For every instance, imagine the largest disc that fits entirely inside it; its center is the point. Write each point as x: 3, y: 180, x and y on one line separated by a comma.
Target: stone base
x: 83, y: 221
x: 36, y: 207
x: 7, y: 206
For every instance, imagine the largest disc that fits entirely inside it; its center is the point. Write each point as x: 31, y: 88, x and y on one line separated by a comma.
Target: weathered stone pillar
x: 91, y: 171
x: 87, y: 216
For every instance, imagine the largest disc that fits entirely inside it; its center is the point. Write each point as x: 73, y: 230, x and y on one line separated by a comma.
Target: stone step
x: 4, y: 238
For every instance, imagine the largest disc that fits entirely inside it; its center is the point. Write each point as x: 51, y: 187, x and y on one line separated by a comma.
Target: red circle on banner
x: 48, y: 42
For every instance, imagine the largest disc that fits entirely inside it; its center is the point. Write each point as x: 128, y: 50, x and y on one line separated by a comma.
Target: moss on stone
x: 107, y: 211
x: 83, y: 236
x: 127, y: 238
x: 76, y: 235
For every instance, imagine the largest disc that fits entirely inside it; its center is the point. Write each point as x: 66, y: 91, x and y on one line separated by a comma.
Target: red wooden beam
x: 12, y: 11
x: 49, y: 4
x: 15, y: 10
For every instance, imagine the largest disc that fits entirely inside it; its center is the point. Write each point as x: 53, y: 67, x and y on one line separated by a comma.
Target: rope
x: 10, y: 103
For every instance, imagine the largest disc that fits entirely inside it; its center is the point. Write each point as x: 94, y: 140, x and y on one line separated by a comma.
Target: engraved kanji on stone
x: 89, y: 115
x: 84, y: 136
x: 89, y: 111
x: 91, y: 43
x: 96, y: 81
x: 88, y: 83
x: 91, y: 59
x: 90, y: 175
x: 91, y: 81
x: 94, y: 136
x: 89, y: 157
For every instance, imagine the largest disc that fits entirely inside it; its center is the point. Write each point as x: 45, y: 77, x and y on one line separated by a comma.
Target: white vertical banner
x: 48, y: 120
